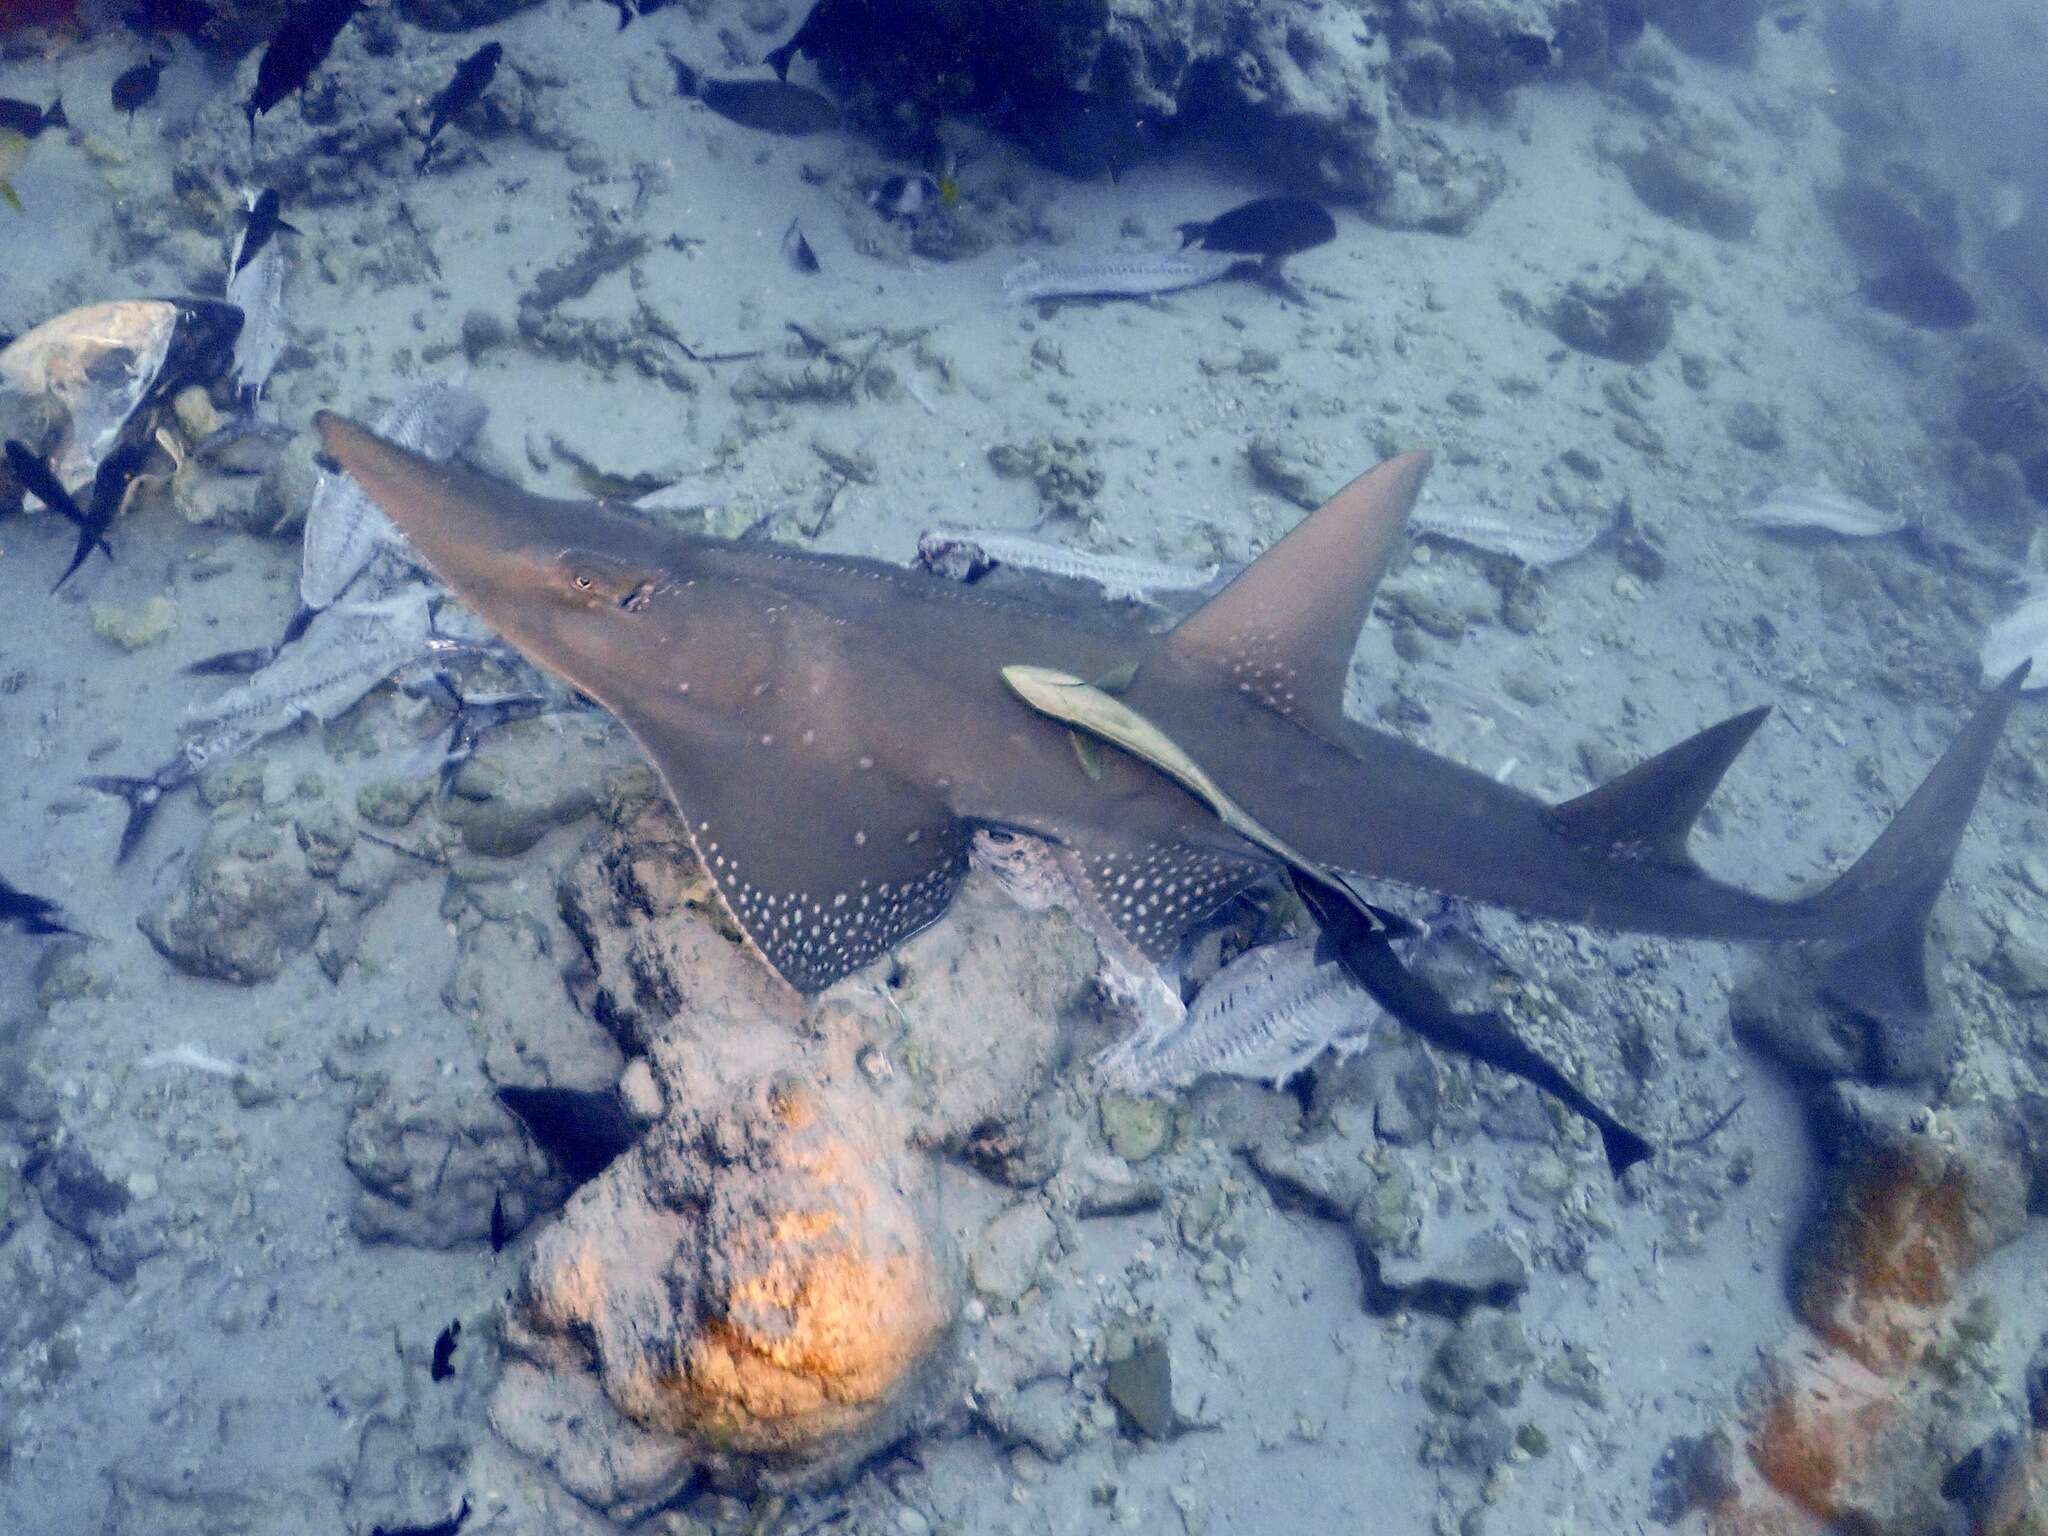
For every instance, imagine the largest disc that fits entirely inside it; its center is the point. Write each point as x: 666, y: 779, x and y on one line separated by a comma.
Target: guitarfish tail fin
x: 1880, y: 904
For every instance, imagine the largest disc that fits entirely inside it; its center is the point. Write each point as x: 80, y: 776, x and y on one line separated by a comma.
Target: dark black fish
x: 444, y: 1352
x: 798, y: 249
x: 37, y: 479
x: 1271, y: 227
x: 472, y: 79
x: 33, y: 915
x: 908, y: 198
x: 258, y: 226
x: 831, y: 27
x: 501, y: 1227
x: 28, y: 119
x: 582, y: 1131
x: 1922, y: 293
x: 447, y: 1527
x: 299, y: 48
x: 474, y: 720
x: 242, y: 663
x: 1357, y: 936
x: 34, y: 476
x: 109, y: 490
x: 769, y: 106
x: 135, y: 87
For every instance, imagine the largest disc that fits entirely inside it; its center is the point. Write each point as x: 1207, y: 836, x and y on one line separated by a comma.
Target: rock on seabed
x: 757, y: 1281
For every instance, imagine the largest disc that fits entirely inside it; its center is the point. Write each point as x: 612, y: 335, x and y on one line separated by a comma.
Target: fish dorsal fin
x: 1648, y: 812
x: 1285, y: 627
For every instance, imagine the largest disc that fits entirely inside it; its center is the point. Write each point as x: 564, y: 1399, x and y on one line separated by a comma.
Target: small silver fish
x: 257, y: 290
x: 346, y: 652
x: 1131, y: 276
x: 1531, y: 540
x: 1265, y: 1016
x: 345, y: 530
x: 1119, y: 576
x: 1819, y: 509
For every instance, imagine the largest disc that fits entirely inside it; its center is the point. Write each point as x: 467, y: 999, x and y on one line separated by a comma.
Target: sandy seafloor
x: 249, y: 1366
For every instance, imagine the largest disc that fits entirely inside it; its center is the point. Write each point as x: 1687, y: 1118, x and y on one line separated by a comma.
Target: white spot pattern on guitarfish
x: 815, y: 936
x: 1265, y: 1016
x: 1132, y: 276
x: 345, y: 530
x: 344, y: 653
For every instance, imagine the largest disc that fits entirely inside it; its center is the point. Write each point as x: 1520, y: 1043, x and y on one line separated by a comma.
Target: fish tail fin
x: 54, y: 117
x: 1881, y: 903
x: 143, y: 797
x: 688, y: 81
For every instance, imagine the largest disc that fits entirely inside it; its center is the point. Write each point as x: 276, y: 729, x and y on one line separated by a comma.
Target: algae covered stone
x: 135, y: 629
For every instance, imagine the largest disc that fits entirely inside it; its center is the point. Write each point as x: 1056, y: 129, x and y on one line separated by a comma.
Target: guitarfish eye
x: 602, y: 579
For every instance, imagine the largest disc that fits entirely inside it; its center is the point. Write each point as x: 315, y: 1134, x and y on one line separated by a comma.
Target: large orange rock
x: 759, y: 1281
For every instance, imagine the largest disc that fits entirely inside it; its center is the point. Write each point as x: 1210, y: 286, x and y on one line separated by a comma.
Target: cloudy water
x: 1031, y: 791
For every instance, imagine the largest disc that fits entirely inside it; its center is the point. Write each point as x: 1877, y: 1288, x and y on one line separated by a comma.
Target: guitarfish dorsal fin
x: 1285, y: 627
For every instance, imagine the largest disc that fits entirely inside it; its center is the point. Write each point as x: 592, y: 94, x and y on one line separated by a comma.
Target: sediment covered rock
x: 759, y: 1281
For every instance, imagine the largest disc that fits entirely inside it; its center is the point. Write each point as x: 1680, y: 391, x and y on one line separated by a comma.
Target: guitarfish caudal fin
x: 1881, y: 903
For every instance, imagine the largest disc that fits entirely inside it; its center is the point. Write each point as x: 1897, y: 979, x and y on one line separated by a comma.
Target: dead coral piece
x: 2003, y: 408
x: 1623, y: 322
x: 755, y: 1281
x: 1855, y: 1424
x: 1684, y: 183
x: 1063, y: 469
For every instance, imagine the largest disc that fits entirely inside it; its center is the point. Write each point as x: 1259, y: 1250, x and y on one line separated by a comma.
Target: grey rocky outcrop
x: 247, y: 905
